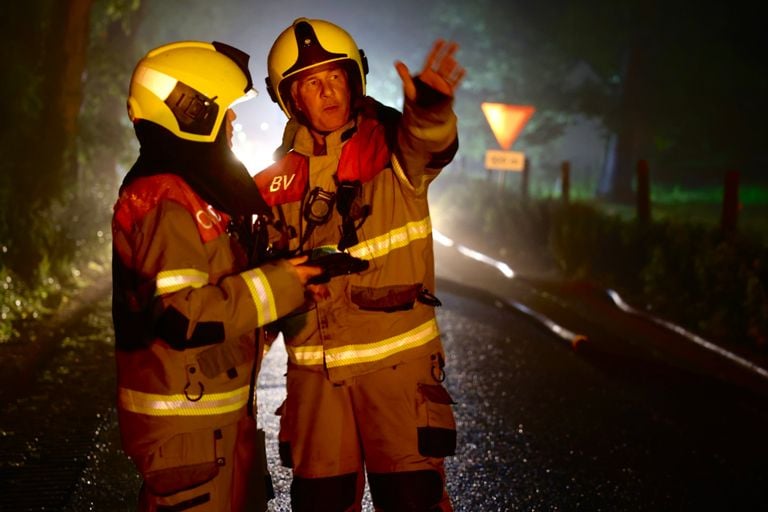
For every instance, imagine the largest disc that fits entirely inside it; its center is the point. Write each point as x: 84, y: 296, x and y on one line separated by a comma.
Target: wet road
x: 541, y: 426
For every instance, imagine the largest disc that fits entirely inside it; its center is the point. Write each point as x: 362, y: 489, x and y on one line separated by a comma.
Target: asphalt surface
x: 631, y: 418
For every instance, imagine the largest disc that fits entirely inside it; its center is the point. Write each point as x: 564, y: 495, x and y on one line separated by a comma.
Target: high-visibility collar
x: 363, y: 156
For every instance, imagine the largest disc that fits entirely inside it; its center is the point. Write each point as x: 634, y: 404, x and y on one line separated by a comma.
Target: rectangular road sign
x: 496, y: 160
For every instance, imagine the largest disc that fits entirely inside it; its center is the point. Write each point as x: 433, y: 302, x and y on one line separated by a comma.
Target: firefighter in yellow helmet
x: 365, y: 394
x: 187, y: 299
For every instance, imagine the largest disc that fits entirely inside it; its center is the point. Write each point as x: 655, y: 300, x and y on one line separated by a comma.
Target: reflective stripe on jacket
x: 373, y: 319
x: 186, y: 309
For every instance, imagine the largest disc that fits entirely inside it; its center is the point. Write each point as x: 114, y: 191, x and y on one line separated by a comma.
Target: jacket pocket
x: 226, y: 356
x: 386, y: 299
x: 436, y: 426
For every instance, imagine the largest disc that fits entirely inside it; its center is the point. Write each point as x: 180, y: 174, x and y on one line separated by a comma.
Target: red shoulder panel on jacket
x: 144, y: 194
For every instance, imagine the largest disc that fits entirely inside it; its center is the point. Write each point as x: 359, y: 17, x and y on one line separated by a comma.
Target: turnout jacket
x: 185, y: 309
x: 379, y: 167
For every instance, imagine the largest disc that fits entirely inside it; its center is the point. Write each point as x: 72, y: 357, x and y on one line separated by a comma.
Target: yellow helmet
x: 307, y: 44
x: 187, y: 87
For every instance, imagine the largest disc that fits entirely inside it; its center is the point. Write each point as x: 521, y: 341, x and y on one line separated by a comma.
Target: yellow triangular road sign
x: 507, y: 121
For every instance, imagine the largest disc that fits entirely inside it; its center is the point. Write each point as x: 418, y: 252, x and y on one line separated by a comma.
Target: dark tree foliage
x: 105, y: 133
x: 682, y: 85
x: 687, y: 81
x: 508, y: 60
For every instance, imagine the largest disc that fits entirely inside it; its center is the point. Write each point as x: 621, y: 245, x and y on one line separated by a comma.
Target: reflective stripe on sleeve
x: 169, y: 281
x: 433, y: 133
x: 179, y: 405
x: 400, y: 173
x: 261, y: 293
x: 305, y: 356
x: 395, y: 239
x: 364, y: 353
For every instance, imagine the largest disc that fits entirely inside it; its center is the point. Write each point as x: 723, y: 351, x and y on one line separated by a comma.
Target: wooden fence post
x: 524, y: 178
x: 643, y: 197
x: 730, y: 214
x: 565, y: 180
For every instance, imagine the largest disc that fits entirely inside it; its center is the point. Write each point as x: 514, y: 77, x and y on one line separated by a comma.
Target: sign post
x: 506, y: 122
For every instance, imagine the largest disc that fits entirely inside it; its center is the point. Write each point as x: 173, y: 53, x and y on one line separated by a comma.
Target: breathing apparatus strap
x: 351, y: 211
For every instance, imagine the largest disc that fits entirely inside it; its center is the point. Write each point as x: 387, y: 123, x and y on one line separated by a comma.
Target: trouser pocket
x: 165, y: 482
x: 436, y: 426
x: 181, y: 488
x: 182, y: 473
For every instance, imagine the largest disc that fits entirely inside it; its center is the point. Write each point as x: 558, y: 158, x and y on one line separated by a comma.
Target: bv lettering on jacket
x: 363, y: 156
x: 283, y: 182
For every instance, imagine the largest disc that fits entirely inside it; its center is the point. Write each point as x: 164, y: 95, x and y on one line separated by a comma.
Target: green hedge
x: 682, y: 271
x: 690, y: 273
x: 48, y: 253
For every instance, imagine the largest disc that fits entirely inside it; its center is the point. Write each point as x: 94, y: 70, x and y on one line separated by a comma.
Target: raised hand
x: 441, y: 70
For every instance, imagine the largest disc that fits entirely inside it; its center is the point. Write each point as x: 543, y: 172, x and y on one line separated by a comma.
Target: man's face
x: 322, y: 95
x: 229, y: 119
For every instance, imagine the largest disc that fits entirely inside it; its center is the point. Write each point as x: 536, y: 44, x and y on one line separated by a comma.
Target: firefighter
x: 365, y: 364
x: 187, y: 301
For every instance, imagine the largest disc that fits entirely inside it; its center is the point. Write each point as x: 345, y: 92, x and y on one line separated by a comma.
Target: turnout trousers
x: 235, y: 479
x: 395, y: 425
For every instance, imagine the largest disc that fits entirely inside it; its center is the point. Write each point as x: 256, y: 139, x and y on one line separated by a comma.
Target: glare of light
x: 478, y: 256
x: 475, y: 255
x: 254, y: 154
x: 573, y: 338
x: 264, y: 126
x: 442, y: 239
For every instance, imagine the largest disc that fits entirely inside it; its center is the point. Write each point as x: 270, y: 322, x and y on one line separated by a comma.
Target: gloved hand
x: 335, y: 264
x: 441, y: 70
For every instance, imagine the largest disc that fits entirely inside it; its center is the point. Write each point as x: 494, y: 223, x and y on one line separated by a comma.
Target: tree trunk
x: 65, y: 61
x: 43, y: 159
x: 633, y: 138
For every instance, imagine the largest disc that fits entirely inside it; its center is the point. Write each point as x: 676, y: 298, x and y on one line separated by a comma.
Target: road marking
x: 569, y: 336
x: 621, y: 304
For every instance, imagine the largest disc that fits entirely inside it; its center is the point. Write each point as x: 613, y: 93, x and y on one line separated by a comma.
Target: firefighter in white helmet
x: 187, y: 302
x: 365, y: 394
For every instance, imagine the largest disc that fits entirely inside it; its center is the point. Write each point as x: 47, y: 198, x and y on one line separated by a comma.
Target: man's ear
x: 295, y: 103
